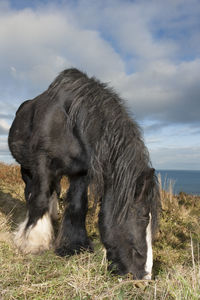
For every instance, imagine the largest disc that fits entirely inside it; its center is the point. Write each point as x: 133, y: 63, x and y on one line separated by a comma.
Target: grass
x: 85, y: 276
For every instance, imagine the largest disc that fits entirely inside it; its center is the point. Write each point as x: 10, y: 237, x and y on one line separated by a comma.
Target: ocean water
x: 182, y: 181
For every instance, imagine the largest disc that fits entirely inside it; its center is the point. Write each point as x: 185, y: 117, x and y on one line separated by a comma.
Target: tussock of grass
x: 85, y: 276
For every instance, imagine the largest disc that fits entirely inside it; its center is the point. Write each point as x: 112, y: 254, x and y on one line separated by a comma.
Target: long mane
x: 118, y: 154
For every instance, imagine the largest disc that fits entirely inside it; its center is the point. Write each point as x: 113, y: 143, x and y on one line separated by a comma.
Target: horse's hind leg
x: 72, y: 237
x: 35, y: 234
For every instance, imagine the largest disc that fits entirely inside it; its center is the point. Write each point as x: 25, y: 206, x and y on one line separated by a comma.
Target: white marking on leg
x: 36, y: 238
x: 53, y: 207
x: 149, y: 261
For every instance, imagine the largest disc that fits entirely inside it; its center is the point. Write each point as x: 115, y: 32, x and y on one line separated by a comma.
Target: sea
x: 182, y: 181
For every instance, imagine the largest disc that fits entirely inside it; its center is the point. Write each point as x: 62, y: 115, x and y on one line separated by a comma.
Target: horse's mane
x: 119, y: 156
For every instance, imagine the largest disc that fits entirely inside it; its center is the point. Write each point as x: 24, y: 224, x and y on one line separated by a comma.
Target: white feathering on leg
x: 36, y: 238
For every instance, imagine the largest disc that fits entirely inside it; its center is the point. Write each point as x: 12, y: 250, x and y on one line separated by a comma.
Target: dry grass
x: 85, y: 276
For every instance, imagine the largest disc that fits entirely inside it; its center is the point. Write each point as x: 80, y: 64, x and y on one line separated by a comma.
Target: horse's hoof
x: 73, y: 249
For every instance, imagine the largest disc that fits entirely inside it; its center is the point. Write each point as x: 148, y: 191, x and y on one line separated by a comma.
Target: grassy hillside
x: 85, y: 276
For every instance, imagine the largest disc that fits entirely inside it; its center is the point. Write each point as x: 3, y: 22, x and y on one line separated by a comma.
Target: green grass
x: 85, y: 276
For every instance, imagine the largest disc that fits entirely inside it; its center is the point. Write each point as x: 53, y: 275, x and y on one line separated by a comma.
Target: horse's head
x: 133, y: 253
x: 142, y: 223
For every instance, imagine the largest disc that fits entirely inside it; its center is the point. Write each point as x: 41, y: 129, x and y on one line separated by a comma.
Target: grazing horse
x: 80, y: 128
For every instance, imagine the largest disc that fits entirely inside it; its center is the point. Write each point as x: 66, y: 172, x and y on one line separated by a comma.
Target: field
x: 85, y: 276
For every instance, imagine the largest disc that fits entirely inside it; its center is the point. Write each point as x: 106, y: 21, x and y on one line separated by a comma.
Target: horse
x: 80, y: 128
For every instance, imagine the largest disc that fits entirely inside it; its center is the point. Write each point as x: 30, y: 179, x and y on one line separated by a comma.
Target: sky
x: 148, y: 50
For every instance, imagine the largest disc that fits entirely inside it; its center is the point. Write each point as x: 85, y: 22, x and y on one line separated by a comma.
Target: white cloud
x: 176, y: 158
x: 164, y: 91
x: 4, y: 152
x: 175, y: 147
x: 4, y: 125
x: 37, y: 45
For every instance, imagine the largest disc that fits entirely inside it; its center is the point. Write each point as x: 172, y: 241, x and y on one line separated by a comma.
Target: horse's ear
x: 151, y: 173
x: 146, y: 179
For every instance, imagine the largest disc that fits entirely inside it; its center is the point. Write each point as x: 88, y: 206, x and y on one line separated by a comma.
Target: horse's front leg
x: 35, y: 234
x: 72, y: 237
x: 55, y: 187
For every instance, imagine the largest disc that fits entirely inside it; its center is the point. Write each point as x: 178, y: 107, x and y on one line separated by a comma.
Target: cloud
x: 3, y: 146
x: 166, y: 157
x: 4, y: 127
x: 144, y: 29
x: 152, y: 39
x: 165, y: 92
x: 38, y: 44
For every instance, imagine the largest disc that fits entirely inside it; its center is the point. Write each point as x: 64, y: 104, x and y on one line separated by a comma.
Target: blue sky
x: 149, y: 51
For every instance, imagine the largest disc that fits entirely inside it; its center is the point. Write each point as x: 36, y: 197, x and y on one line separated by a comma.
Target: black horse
x: 80, y: 128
